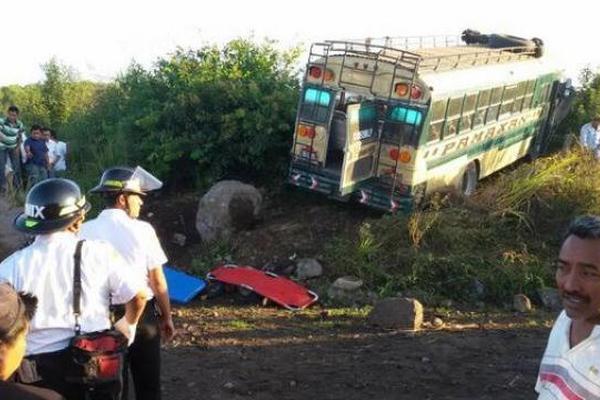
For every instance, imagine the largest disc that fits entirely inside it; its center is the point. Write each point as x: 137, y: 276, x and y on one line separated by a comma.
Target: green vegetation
x: 502, y: 242
x: 196, y: 117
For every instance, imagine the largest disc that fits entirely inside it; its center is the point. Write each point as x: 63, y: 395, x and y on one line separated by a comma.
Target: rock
x: 347, y: 283
x: 307, y: 268
x: 345, y: 291
x: 397, y: 313
x: 179, y: 239
x: 478, y: 288
x: 229, y: 385
x: 280, y: 267
x: 521, y: 303
x: 10, y: 238
x: 550, y: 298
x: 437, y: 322
x: 227, y: 207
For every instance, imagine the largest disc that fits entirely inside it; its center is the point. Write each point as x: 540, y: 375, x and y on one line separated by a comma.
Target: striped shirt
x: 570, y: 373
x: 11, y: 133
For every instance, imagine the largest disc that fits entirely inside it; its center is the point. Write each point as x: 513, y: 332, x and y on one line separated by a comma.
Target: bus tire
x: 468, y: 182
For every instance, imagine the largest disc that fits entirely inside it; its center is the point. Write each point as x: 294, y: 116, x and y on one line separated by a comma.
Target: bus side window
x: 496, y: 98
x: 482, y: 104
x: 519, y: 96
x: 467, y: 114
x: 453, y: 116
x: 528, y: 95
x: 508, y: 99
x: 438, y: 115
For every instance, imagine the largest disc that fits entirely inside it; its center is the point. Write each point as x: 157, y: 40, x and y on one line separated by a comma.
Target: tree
x: 54, y: 91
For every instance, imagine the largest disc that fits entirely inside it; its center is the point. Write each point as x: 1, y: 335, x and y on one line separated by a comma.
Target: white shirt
x: 60, y: 152
x: 45, y: 269
x: 589, y: 137
x: 51, y: 146
x: 135, y: 240
x: 569, y: 373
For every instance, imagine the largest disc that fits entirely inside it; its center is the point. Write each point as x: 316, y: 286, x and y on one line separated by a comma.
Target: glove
x: 126, y: 329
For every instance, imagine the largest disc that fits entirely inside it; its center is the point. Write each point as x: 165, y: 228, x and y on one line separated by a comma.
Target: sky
x: 99, y: 39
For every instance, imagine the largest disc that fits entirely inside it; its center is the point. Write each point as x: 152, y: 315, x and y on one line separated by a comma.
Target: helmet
x: 127, y: 180
x: 51, y: 206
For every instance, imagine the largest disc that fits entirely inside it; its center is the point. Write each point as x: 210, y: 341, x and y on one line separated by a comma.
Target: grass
x: 501, y: 242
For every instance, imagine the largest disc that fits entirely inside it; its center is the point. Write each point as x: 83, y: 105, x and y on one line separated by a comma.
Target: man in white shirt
x: 122, y: 189
x: 57, y: 151
x: 570, y: 368
x: 52, y: 156
x: 54, y: 212
x: 589, y: 136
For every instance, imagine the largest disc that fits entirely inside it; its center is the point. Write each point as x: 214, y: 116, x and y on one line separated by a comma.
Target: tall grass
x: 505, y: 238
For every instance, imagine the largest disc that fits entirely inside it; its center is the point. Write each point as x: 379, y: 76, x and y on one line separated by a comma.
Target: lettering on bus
x: 481, y: 135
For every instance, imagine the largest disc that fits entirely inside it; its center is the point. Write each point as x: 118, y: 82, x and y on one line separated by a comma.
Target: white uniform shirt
x: 589, y: 137
x: 135, y: 240
x: 569, y: 373
x: 45, y: 269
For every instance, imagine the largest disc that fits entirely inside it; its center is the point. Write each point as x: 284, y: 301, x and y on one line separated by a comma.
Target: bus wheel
x: 469, y: 180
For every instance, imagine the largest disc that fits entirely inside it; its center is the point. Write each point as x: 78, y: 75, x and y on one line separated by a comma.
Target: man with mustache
x: 570, y: 368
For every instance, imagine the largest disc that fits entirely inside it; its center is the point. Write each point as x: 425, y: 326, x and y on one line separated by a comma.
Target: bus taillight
x: 416, y: 93
x: 306, y: 131
x: 315, y: 72
x: 401, y: 89
x: 402, y: 156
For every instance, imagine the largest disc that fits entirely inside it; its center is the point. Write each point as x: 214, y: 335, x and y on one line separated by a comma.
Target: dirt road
x: 246, y: 352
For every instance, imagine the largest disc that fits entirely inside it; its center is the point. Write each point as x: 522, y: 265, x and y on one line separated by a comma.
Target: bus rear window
x: 406, y: 115
x: 315, y: 105
x: 402, y: 126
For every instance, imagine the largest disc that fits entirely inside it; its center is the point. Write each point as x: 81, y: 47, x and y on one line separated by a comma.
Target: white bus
x: 387, y: 121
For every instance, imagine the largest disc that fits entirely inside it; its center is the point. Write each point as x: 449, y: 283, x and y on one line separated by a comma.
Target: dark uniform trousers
x: 48, y: 370
x: 143, y: 358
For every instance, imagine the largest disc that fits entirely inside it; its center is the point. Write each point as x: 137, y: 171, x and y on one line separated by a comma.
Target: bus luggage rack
x: 412, y: 55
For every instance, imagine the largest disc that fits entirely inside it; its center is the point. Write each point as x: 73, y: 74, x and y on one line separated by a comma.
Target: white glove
x: 126, y: 329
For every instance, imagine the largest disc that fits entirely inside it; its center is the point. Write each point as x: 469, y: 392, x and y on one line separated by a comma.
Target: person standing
x: 54, y: 212
x: 37, y: 156
x: 51, y: 145
x: 570, y: 367
x: 16, y: 311
x: 11, y: 131
x: 589, y: 136
x: 59, y: 166
x: 122, y: 189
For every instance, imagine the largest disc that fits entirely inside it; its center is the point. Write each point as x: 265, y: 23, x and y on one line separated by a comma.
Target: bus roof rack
x: 440, y: 53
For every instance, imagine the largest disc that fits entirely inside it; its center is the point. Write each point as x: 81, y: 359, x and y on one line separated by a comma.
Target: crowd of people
x: 92, y: 283
x: 28, y: 159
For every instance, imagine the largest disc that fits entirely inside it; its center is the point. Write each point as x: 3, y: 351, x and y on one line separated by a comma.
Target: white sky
x: 101, y: 38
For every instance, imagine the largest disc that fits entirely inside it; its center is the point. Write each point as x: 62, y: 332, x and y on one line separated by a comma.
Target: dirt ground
x: 225, y: 349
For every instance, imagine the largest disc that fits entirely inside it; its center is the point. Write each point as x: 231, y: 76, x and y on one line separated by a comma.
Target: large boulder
x: 227, y: 207
x: 10, y: 238
x: 397, y: 313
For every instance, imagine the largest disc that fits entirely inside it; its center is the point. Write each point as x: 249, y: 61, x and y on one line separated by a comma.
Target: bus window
x: 453, y: 116
x: 467, y: 114
x: 482, y: 103
x: 402, y: 125
x: 315, y: 105
x: 438, y: 115
x: 495, y: 99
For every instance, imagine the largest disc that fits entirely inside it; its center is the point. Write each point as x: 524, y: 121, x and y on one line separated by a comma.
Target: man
x: 122, y: 189
x: 54, y: 212
x: 59, y: 165
x: 38, y: 160
x: 11, y: 131
x: 590, y: 136
x: 51, y: 145
x: 16, y: 310
x: 570, y: 368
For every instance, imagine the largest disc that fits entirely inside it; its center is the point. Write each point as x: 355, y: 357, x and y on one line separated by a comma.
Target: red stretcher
x: 279, y: 289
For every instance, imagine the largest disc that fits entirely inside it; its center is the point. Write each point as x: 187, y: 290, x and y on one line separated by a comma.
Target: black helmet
x: 127, y: 180
x: 50, y: 206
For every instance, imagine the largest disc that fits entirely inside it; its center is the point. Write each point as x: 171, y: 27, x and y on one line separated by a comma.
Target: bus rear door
x: 362, y: 145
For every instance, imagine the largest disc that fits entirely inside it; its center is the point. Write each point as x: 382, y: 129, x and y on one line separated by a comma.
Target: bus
x: 387, y: 121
